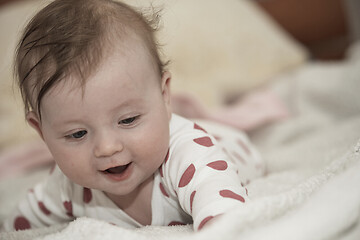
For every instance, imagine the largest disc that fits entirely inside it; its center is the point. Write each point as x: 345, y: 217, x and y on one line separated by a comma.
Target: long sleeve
x: 46, y: 204
x: 199, y: 173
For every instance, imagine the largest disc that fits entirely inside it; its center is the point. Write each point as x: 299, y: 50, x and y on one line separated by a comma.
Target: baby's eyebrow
x: 62, y: 124
x: 129, y: 102
x: 132, y: 103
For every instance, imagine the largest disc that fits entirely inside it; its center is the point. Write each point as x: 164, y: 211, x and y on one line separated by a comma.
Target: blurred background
x: 325, y: 27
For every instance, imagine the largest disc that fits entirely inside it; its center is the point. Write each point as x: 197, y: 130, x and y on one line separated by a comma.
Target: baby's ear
x: 165, y: 89
x: 33, y: 120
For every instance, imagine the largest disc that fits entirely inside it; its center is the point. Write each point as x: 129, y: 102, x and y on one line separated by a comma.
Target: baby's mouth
x: 117, y: 170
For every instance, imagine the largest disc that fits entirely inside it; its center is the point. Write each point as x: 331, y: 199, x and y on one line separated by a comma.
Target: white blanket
x: 312, y: 188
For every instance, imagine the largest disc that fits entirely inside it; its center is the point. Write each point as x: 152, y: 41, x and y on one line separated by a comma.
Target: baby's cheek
x: 156, y: 144
x: 73, y: 162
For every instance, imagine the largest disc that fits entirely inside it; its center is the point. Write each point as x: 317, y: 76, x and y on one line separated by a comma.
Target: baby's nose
x: 108, y: 146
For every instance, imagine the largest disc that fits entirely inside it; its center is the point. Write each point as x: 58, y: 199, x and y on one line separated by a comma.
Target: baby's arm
x: 204, y: 180
x: 44, y: 205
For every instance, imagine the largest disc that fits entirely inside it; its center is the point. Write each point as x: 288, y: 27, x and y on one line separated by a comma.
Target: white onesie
x: 202, y: 176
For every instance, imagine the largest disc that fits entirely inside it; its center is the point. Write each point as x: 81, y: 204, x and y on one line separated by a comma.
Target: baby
x: 98, y: 94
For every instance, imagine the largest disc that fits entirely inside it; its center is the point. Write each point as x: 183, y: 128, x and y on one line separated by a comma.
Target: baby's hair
x: 72, y: 37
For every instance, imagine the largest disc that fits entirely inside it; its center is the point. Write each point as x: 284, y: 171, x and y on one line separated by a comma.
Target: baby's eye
x: 128, y: 121
x: 77, y: 135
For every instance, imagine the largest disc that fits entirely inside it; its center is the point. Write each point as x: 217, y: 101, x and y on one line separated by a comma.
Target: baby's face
x: 115, y: 134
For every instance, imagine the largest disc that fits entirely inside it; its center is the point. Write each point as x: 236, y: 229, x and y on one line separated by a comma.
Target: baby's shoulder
x: 184, y: 130
x: 190, y: 143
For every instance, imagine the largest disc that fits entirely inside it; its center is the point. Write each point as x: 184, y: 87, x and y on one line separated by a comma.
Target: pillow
x: 217, y: 48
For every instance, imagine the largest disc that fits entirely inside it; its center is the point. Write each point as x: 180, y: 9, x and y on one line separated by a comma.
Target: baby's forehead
x: 109, y: 87
x: 130, y: 56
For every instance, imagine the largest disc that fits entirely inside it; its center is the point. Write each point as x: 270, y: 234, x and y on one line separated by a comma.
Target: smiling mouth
x: 117, y: 170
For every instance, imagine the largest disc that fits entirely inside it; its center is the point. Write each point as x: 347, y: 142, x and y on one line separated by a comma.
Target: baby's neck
x: 137, y: 204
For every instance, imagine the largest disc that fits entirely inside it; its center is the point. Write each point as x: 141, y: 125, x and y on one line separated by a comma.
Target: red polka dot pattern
x: 21, y: 223
x: 68, y: 208
x: 204, y: 141
x: 217, y: 138
x: 161, y: 171
x: 87, y: 195
x: 192, y: 199
x: 167, y: 156
x: 244, y: 146
x: 224, y: 150
x: 199, y: 128
x: 204, y: 221
x: 176, y: 223
x: 220, y: 165
x: 238, y: 156
x: 163, y: 191
x: 187, y: 176
x: 52, y: 169
x: 259, y: 166
x: 230, y: 194
x: 43, y: 208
